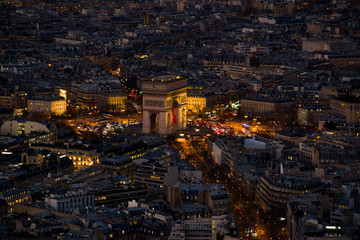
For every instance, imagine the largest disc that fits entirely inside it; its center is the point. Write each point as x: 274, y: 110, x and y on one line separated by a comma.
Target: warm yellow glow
x: 63, y: 93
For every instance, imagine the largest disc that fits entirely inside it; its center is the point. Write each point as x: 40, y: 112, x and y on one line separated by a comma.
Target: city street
x: 250, y: 219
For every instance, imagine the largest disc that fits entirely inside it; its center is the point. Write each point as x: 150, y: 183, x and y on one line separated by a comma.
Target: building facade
x: 114, y: 196
x: 119, y: 165
x: 111, y: 101
x: 20, y: 128
x: 48, y: 105
x: 68, y: 200
x: 81, y: 156
x: 274, y: 189
x: 200, y: 228
x: 272, y: 108
x: 196, y: 101
x: 350, y: 108
x: 164, y: 104
x: 85, y: 95
x: 154, y: 174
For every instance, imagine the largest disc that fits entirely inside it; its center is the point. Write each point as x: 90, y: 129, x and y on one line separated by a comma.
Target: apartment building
x: 111, y: 101
x: 48, y: 105
x: 66, y: 200
x: 274, y: 189
x: 268, y: 107
x: 349, y: 107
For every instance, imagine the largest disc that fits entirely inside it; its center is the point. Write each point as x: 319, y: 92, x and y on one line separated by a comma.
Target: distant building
x: 348, y: 107
x: 35, y: 132
x: 111, y: 195
x: 304, y: 217
x: 313, y: 45
x: 81, y: 156
x: 297, y: 207
x: 47, y: 105
x: 196, y: 101
x: 325, y: 156
x: 66, y: 200
x: 20, y: 99
x: 198, y: 229
x: 16, y: 196
x: 205, y: 228
x: 29, y: 156
x: 155, y: 174
x: 111, y: 101
x: 236, y: 71
x: 177, y: 231
x: 28, y: 174
x: 17, y: 100
x: 88, y: 175
x: 274, y: 189
x: 310, y: 115
x: 230, y: 151
x: 343, y: 60
x: 272, y: 108
x: 225, y: 151
x: 6, y: 100
x: 119, y: 165
x: 213, y: 196
x: 86, y: 95
x: 189, y: 173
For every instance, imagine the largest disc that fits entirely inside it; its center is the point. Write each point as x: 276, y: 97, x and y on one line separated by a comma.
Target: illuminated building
x: 111, y: 101
x: 196, y: 101
x: 62, y: 93
x: 27, y: 128
x: 164, y: 104
x: 81, y: 156
x: 16, y: 196
x: 49, y: 105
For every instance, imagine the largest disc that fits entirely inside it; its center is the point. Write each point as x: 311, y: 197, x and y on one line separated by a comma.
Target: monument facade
x: 164, y: 104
